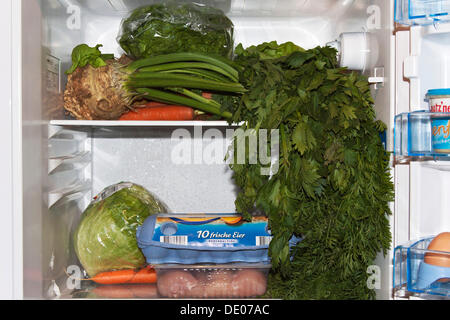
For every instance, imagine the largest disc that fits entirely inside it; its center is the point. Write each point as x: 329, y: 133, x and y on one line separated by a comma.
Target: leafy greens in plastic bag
x: 170, y: 27
x: 105, y: 239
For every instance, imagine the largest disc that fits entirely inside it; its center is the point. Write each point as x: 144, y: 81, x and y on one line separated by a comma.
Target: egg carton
x: 205, y: 238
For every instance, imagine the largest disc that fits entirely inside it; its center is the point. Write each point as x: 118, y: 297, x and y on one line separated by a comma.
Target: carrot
x: 126, y: 291
x: 160, y: 113
x: 144, y: 290
x: 145, y: 275
x: 207, y: 95
x: 113, y: 291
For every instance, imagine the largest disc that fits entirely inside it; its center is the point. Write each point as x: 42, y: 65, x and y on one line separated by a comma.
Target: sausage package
x: 204, y: 238
x: 212, y: 281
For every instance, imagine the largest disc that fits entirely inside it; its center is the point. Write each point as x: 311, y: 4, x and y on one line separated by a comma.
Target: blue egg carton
x: 412, y: 273
x: 204, y: 239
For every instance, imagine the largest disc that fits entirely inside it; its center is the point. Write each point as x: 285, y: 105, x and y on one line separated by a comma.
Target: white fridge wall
x: 6, y: 175
x: 34, y: 150
x: 429, y: 204
x: 23, y: 141
x: 434, y: 60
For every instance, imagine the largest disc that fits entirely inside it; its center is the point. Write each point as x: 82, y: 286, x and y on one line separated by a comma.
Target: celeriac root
x: 96, y: 93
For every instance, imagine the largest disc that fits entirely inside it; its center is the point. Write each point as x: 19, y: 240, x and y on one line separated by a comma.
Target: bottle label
x: 440, y: 130
x: 439, y: 105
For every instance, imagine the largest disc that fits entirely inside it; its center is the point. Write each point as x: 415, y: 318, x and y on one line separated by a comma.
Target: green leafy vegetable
x: 83, y: 55
x: 333, y: 185
x: 105, y: 239
x: 170, y: 28
x: 268, y: 50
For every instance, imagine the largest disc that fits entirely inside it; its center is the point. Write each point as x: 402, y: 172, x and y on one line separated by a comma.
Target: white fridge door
x: 422, y: 64
x: 421, y: 201
x: 11, y: 270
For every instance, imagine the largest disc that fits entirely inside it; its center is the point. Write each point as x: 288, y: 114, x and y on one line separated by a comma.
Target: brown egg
x: 440, y: 243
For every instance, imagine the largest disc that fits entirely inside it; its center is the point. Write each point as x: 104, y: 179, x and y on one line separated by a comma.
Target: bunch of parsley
x: 333, y: 185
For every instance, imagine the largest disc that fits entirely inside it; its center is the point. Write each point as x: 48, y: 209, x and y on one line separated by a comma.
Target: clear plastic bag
x: 171, y: 27
x: 212, y: 281
x: 105, y: 239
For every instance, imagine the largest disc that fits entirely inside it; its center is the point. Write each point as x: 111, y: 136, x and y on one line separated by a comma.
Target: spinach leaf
x: 269, y: 50
x: 83, y: 55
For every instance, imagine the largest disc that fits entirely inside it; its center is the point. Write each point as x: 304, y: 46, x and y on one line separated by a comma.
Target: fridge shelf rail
x: 69, y: 165
x: 422, y: 12
x: 67, y: 193
x: 83, y: 157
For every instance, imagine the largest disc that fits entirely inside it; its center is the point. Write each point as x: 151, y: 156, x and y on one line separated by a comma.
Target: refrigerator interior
x: 65, y: 163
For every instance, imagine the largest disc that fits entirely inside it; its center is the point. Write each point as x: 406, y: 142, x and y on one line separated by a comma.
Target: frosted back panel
x: 150, y: 157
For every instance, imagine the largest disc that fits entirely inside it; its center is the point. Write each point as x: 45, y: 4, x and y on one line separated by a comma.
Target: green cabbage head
x: 105, y: 239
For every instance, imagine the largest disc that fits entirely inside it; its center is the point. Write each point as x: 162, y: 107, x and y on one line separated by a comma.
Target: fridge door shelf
x: 412, y: 276
x: 421, y: 135
x: 422, y: 12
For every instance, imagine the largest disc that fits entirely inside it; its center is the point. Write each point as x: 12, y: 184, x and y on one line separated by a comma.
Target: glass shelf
x: 422, y: 12
x: 105, y: 123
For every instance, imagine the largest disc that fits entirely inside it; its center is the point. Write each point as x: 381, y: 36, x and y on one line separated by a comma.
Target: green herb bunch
x: 333, y: 185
